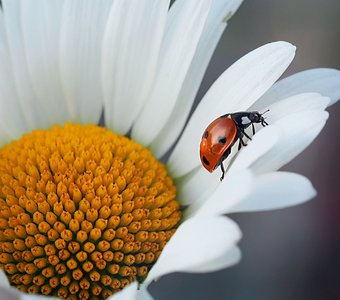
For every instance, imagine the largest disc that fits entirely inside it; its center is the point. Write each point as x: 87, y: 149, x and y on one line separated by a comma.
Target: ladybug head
x: 256, y: 117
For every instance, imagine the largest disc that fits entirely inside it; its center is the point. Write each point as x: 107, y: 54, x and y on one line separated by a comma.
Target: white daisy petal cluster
x: 142, y: 63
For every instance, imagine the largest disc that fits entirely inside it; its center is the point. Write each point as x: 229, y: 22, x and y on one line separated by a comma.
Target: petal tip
x: 326, y: 115
x: 311, y: 192
x: 325, y: 100
x: 287, y: 48
x: 285, y: 44
x: 306, y: 187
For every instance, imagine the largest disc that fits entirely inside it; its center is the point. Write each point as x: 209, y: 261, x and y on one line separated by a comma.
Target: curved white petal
x: 220, y: 12
x: 8, y: 293
x: 17, y: 59
x: 261, y: 143
x: 12, y: 121
x: 82, y: 30
x: 234, y: 187
x: 131, y: 48
x: 295, y: 104
x: 183, y: 30
x: 143, y: 293
x: 323, y: 81
x: 235, y: 90
x: 196, y: 242
x: 132, y: 292
x: 4, y: 137
x: 276, y: 190
x: 36, y: 297
x: 40, y: 23
x: 127, y: 293
x: 3, y: 279
x: 228, y: 259
x: 197, y: 185
x: 298, y: 131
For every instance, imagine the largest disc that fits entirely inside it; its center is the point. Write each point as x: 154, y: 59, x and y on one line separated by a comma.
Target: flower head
x: 86, y: 212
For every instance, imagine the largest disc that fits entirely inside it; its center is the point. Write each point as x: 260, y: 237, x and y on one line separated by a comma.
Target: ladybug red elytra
x: 223, y: 133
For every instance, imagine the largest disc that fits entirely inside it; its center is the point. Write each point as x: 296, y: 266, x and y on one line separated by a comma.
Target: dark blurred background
x: 292, y: 253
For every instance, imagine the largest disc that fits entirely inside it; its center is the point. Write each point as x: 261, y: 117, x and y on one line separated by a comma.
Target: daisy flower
x: 89, y: 213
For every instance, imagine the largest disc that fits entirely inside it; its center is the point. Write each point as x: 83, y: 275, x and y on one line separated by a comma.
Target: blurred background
x: 292, y: 253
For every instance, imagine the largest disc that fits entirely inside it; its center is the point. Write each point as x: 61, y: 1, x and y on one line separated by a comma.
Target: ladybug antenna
x: 265, y: 112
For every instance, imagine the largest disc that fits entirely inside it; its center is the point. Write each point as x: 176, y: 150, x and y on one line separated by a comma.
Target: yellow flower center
x: 83, y: 212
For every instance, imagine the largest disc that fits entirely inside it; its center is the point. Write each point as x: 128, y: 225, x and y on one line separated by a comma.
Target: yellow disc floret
x: 83, y: 211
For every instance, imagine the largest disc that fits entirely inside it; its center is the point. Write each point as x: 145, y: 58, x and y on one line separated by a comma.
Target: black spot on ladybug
x: 222, y: 140
x: 206, y: 161
x: 206, y: 134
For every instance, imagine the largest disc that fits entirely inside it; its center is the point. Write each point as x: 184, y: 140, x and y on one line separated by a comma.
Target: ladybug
x: 223, y: 133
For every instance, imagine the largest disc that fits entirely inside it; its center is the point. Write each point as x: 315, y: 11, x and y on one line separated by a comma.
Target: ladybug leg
x: 244, y: 133
x: 223, y: 171
x: 239, y: 145
x: 253, y: 127
x: 225, y: 155
x: 242, y: 141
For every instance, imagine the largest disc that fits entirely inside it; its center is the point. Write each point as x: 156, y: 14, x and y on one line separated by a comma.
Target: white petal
x: 83, y: 23
x: 12, y: 121
x: 262, y: 142
x: 40, y: 23
x: 36, y: 297
x: 196, y: 242
x: 127, y: 293
x: 235, y: 90
x: 213, y: 29
x: 132, y: 292
x: 8, y: 293
x: 295, y: 104
x: 143, y: 293
x: 323, y: 81
x: 228, y: 259
x: 131, y: 48
x: 3, y: 279
x: 276, y: 190
x: 183, y: 30
x: 26, y: 96
x: 197, y: 186
x: 298, y: 131
x: 4, y: 137
x: 233, y: 188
